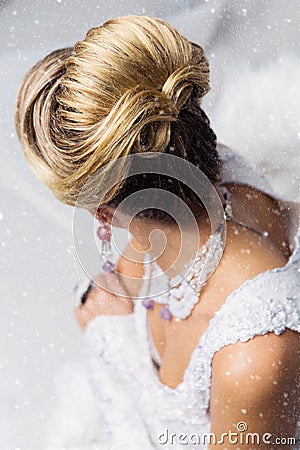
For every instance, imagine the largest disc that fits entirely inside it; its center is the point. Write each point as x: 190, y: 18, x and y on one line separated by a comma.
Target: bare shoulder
x: 257, y: 383
x: 262, y: 212
x: 259, y: 364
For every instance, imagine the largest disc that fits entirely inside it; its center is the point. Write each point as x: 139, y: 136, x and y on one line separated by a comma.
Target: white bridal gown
x: 133, y: 409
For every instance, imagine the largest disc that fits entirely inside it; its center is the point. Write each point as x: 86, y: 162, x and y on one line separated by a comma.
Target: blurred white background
x: 253, y: 48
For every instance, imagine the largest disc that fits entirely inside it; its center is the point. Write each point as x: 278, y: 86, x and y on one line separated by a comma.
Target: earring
x: 104, y: 233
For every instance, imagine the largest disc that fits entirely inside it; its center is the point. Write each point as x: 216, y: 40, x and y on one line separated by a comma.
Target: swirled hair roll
x: 132, y: 85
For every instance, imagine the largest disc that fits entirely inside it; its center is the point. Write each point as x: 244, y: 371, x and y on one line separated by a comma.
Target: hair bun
x: 147, y: 113
x: 118, y: 91
x: 181, y: 84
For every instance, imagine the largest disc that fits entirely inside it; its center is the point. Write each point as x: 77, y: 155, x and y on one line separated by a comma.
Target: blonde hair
x: 117, y: 92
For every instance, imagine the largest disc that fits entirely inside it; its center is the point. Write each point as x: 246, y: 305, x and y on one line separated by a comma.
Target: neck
x: 170, y: 246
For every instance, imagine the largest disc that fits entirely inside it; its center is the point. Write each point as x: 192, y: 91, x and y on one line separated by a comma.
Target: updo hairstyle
x: 133, y: 85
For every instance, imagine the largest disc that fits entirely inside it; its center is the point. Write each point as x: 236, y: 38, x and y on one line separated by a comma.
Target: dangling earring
x: 104, y: 234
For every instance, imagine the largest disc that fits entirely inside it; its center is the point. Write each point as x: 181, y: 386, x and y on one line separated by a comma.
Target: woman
x: 224, y: 340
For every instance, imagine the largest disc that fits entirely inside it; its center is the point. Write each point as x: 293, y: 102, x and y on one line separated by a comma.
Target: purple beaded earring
x: 104, y: 233
x: 148, y: 303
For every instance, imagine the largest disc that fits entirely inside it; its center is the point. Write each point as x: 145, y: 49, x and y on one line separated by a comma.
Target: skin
x: 257, y: 381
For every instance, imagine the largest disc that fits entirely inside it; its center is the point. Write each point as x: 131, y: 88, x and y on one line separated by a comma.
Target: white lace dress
x: 134, y: 409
